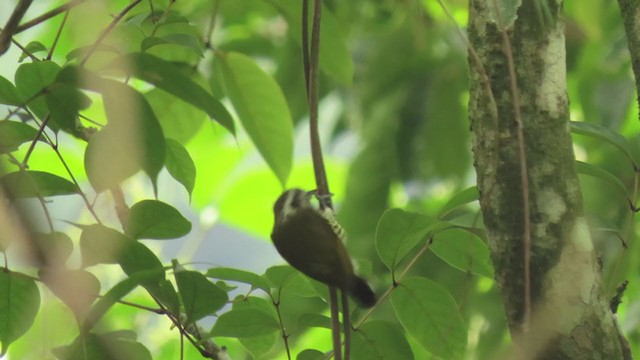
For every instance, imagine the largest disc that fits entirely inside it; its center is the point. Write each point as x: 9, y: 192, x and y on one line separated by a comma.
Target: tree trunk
x: 540, y: 243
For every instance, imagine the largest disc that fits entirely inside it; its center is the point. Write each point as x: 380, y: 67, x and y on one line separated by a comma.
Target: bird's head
x: 290, y: 202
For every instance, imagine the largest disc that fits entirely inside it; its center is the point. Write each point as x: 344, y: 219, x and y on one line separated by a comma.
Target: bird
x: 310, y: 239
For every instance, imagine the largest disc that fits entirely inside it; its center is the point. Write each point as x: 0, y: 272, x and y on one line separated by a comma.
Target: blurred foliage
x: 395, y: 134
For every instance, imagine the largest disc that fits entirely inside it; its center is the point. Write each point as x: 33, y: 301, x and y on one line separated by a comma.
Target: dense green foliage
x: 213, y: 92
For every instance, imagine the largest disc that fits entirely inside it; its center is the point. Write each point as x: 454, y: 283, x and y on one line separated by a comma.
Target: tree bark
x: 530, y: 198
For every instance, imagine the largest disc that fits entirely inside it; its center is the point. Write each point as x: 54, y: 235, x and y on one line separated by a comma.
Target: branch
x: 10, y: 29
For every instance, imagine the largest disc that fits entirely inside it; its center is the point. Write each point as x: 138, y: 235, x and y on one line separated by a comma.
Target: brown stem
x: 48, y: 15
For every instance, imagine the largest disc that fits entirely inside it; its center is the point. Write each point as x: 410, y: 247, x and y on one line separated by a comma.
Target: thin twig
x: 285, y: 336
x: 106, y: 31
x: 48, y: 15
x: 55, y: 41
x: 305, y: 42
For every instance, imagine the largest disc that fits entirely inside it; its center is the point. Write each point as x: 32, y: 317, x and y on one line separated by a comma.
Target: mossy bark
x: 569, y: 317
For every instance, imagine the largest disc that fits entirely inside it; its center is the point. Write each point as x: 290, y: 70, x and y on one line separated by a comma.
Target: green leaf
x: 188, y: 41
x: 153, y: 219
x: 262, y: 109
x: 116, y: 293
x: 19, y: 303
x: 78, y: 289
x: 64, y: 101
x: 13, y: 134
x: 56, y: 245
x: 24, y: 184
x: 131, y: 141
x: 430, y: 315
x: 8, y: 93
x: 180, y: 120
x: 335, y: 58
x: 463, y: 250
x: 245, y: 323
x: 603, y: 133
x: 310, y: 354
x: 31, y: 79
x: 461, y: 198
x: 180, y: 165
x: 378, y: 339
x: 110, y: 346
x: 307, y: 320
x: 602, y: 174
x: 397, y: 233
x: 139, y: 258
x: 243, y: 276
x: 101, y: 245
x: 169, y: 78
x: 200, y: 296
x: 33, y: 48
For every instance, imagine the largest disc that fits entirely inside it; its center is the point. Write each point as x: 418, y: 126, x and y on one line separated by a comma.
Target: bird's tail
x: 362, y: 293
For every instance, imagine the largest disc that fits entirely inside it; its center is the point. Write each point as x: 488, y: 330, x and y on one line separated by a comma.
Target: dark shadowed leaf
x: 380, y: 340
x: 13, y: 134
x: 8, y: 93
x: 31, y: 79
x: 243, y: 276
x: 101, y: 245
x: 116, y: 345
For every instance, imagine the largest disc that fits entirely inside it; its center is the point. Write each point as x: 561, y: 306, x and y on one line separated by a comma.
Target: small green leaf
x: 19, y: 303
x: 169, y: 78
x: 379, y: 339
x: 200, y: 296
x: 245, y: 323
x: 463, y: 250
x: 461, y: 198
x: 116, y: 293
x: 153, y: 219
x: 310, y: 354
x: 13, y: 134
x: 430, y: 315
x: 602, y: 133
x: 8, y: 93
x: 101, y: 245
x: 397, y: 233
x: 262, y: 109
x: 33, y: 48
x: 180, y: 165
x: 78, y: 289
x: 24, y: 184
x: 243, y: 276
x: 110, y: 346
x: 602, y: 174
x: 31, y: 80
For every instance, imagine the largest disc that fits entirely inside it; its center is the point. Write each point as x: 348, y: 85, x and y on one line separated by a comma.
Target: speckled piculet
x: 311, y: 240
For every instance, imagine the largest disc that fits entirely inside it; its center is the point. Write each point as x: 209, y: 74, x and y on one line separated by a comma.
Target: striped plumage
x: 311, y: 241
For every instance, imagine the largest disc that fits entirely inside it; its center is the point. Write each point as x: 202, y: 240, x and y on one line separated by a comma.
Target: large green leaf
x: 398, y: 232
x: 13, y: 134
x: 602, y: 174
x: 56, y: 245
x: 245, y: 323
x: 459, y: 199
x: 28, y: 183
x: 262, y: 109
x: 78, y: 289
x: 169, y: 78
x: 19, y: 303
x: 200, y: 296
x: 109, y: 346
x: 153, y: 219
x: 180, y: 120
x: 335, y: 58
x: 429, y: 313
x: 380, y: 340
x: 463, y: 250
